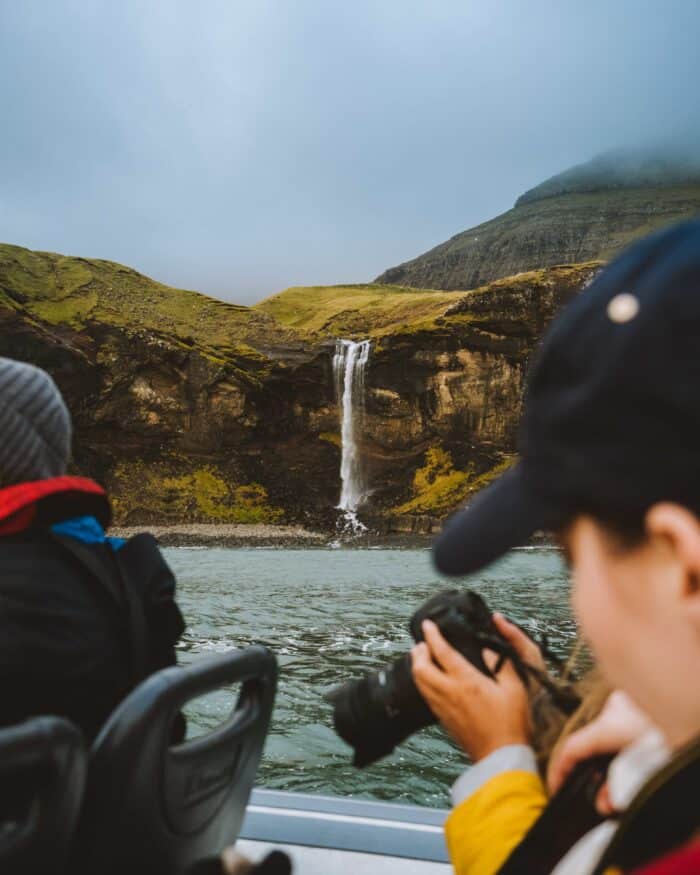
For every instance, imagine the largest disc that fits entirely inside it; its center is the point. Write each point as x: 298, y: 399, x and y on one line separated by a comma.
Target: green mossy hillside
x: 144, y: 493
x: 439, y: 487
x: 354, y: 310
x: 379, y: 311
x: 59, y: 289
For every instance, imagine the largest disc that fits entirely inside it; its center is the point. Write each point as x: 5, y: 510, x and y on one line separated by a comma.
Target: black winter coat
x: 67, y: 638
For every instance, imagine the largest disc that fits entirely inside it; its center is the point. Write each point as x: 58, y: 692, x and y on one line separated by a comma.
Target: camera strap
x: 568, y: 816
x: 562, y: 694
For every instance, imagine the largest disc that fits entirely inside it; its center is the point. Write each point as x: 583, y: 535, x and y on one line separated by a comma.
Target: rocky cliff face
x: 184, y: 422
x: 175, y: 410
x: 589, y: 212
x: 443, y: 389
x: 176, y: 436
x: 444, y: 399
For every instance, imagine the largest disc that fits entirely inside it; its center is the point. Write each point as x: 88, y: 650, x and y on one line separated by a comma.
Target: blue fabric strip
x: 87, y: 530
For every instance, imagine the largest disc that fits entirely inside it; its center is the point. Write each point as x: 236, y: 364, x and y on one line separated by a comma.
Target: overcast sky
x: 242, y: 146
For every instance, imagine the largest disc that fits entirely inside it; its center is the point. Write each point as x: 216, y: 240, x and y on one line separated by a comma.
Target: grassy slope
x: 378, y: 310
x: 354, y: 310
x: 74, y: 291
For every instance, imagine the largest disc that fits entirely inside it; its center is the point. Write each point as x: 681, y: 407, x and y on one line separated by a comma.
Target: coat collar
x: 42, y: 503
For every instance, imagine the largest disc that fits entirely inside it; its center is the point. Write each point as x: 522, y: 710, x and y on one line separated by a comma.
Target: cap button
x: 623, y: 308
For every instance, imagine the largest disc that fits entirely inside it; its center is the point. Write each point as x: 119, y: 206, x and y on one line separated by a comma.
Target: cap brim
x: 501, y: 517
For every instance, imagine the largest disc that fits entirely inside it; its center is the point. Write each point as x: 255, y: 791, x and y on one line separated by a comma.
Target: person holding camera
x: 610, y: 463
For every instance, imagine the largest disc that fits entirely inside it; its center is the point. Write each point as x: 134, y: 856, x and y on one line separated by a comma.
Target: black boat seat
x: 43, y: 765
x: 155, y: 806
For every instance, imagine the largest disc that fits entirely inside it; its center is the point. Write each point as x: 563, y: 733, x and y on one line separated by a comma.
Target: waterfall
x: 349, y: 365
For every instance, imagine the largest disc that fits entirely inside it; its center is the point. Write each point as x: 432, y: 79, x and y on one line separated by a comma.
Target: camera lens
x: 377, y: 712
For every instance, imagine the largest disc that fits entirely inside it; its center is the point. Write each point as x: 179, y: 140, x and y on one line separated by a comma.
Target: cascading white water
x: 349, y: 366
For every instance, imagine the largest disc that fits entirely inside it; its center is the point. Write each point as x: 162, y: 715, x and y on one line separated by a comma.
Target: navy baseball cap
x: 611, y: 420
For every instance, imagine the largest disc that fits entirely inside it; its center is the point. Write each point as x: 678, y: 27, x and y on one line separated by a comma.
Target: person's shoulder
x: 142, y: 556
x: 27, y: 553
x: 144, y: 553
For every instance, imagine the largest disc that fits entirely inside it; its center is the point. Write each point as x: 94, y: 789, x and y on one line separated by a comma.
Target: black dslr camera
x: 377, y: 712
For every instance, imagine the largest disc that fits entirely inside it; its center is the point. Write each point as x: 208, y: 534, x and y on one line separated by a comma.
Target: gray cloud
x: 240, y: 147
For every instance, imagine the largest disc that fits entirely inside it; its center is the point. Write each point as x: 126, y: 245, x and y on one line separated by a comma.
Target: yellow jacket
x: 494, y: 810
x: 482, y: 830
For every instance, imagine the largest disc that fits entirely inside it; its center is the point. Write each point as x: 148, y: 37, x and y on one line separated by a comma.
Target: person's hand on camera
x: 523, y: 645
x: 619, y: 724
x: 481, y: 713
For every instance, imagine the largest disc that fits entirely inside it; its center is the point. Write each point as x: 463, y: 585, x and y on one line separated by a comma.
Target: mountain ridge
x: 621, y: 168
x: 587, y: 213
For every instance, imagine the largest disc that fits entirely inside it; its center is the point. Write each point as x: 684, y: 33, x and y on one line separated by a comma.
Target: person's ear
x: 679, y: 530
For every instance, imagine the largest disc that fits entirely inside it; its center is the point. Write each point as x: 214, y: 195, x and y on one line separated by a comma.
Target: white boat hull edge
x: 325, y: 861
x: 325, y: 834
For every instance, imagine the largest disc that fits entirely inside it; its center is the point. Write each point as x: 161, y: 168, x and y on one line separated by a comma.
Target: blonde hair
x: 550, y: 726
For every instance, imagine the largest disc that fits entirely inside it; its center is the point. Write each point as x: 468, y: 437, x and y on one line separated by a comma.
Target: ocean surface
x: 330, y: 615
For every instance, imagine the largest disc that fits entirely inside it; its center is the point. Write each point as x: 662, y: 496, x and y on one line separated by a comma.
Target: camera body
x: 376, y: 713
x: 463, y: 619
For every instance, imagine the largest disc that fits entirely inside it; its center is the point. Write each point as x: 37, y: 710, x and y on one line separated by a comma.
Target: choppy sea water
x: 334, y: 614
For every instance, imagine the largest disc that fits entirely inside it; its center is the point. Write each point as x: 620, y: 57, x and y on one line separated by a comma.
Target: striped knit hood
x: 35, y: 426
